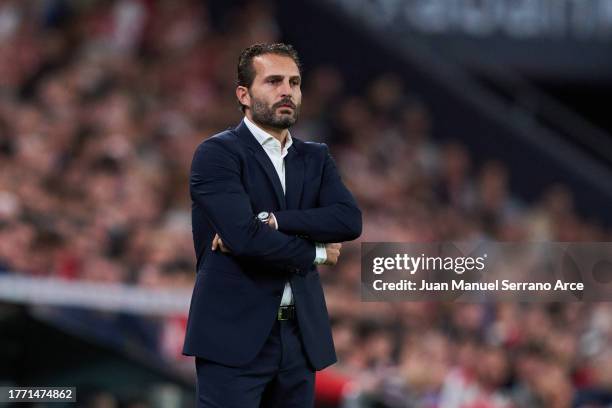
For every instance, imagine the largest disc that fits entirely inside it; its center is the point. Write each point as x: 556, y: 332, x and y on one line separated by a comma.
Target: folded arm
x: 215, y: 185
x: 337, y: 218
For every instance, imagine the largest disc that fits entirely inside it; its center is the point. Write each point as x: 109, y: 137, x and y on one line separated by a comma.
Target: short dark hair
x: 246, y: 71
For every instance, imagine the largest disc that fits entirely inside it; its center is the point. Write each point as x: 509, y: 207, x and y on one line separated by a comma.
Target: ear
x: 242, y: 93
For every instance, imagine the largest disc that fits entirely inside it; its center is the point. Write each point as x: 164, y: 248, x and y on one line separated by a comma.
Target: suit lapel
x: 264, y: 161
x: 270, y: 171
x: 294, y: 176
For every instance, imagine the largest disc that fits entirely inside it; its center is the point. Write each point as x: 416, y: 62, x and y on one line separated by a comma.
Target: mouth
x: 286, y: 105
x: 285, y: 110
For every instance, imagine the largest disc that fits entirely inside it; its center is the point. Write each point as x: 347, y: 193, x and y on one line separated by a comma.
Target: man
x: 266, y: 208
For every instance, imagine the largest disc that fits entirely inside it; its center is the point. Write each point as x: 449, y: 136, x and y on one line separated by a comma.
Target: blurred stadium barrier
x: 91, y: 295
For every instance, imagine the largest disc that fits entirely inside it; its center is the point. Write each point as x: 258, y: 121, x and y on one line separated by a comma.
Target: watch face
x: 263, y: 216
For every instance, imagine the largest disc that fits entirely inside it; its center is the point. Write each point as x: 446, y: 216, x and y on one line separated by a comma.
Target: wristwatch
x: 264, y: 217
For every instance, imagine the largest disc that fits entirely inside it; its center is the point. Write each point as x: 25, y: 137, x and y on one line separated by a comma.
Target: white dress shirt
x: 277, y: 153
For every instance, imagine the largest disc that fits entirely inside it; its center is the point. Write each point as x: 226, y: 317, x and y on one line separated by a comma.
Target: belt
x: 286, y: 313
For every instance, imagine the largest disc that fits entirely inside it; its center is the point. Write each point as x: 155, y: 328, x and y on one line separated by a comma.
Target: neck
x: 278, y: 134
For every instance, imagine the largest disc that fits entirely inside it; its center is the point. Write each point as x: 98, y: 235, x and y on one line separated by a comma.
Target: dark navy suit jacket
x: 236, y: 296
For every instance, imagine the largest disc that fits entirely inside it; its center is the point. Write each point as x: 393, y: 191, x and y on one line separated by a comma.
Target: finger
x: 224, y: 248
x: 332, y: 258
x: 272, y: 222
x: 215, y: 242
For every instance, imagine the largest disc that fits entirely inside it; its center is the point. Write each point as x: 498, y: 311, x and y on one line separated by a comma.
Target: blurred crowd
x: 102, y: 104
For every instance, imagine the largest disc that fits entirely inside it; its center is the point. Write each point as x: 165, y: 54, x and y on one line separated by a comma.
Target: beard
x: 267, y: 116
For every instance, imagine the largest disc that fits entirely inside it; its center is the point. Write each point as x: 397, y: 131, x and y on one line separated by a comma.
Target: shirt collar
x: 263, y: 137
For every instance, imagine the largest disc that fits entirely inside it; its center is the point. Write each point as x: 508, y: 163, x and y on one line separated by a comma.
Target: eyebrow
x: 281, y: 77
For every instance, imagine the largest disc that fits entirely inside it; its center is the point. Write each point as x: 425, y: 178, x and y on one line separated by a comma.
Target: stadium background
x: 449, y: 120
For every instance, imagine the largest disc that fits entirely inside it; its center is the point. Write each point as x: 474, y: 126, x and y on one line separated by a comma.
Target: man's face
x: 275, y: 95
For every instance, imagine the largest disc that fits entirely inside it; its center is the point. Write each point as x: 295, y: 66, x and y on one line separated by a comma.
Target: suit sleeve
x: 337, y: 219
x: 215, y: 185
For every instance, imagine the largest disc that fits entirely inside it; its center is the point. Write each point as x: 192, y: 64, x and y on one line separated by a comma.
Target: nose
x: 285, y: 89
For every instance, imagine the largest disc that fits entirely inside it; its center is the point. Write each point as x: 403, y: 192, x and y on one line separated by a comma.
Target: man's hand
x: 218, y: 243
x: 333, y: 253
x: 272, y: 221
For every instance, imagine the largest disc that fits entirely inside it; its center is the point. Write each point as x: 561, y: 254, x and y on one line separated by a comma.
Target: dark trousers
x: 280, y: 376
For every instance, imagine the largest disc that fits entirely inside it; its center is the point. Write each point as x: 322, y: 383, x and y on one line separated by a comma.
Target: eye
x: 274, y: 80
x: 295, y: 82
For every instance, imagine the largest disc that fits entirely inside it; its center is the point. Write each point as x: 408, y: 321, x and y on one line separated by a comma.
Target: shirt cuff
x: 321, y: 254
